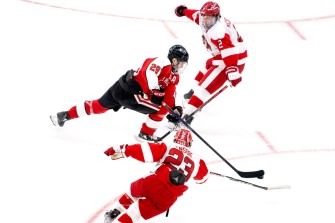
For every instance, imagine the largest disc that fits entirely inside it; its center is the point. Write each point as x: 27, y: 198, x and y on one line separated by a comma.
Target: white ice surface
x: 56, y: 54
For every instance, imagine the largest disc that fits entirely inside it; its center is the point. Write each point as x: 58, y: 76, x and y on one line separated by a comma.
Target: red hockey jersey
x: 174, y: 156
x: 156, y: 73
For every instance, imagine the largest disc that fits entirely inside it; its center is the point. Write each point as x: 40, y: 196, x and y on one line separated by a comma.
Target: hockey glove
x: 178, y: 110
x: 157, y: 96
x: 233, y: 75
x: 117, y: 153
x: 179, y: 10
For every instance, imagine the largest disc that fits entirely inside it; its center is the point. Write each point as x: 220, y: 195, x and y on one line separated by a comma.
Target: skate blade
x: 54, y: 120
x: 141, y: 140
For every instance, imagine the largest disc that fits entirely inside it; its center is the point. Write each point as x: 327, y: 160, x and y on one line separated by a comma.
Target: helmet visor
x: 179, y: 67
x: 207, y: 21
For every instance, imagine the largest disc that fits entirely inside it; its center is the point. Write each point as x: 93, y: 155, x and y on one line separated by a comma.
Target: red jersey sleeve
x: 192, y: 14
x: 166, y: 79
x: 146, y: 152
x: 169, y: 99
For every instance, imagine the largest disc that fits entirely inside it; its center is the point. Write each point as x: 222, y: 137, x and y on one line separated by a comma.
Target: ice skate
x: 60, y: 118
x: 187, y: 97
x: 173, y: 126
x: 143, y: 137
x: 188, y: 119
x: 111, y: 215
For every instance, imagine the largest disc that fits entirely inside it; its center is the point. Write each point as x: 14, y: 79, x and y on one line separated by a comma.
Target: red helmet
x: 210, y: 9
x: 183, y: 137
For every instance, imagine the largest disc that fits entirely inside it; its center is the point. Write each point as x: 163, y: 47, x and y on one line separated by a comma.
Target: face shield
x: 179, y: 66
x: 207, y: 21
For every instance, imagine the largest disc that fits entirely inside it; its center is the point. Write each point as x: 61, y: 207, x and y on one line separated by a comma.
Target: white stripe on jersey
x: 210, y: 79
x: 141, y: 100
x: 147, y: 155
x: 241, y: 61
x: 228, y: 52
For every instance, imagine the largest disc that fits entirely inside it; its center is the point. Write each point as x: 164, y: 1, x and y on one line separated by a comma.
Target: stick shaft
x: 251, y: 174
x: 209, y: 100
x: 167, y: 213
x: 196, y: 111
x: 240, y: 181
x: 251, y: 184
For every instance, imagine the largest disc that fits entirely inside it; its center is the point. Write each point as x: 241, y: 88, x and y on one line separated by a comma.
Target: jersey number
x: 178, y: 158
x: 155, y: 68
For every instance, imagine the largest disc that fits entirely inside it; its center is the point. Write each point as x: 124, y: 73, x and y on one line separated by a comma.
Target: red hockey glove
x: 233, y: 75
x: 116, y: 153
x: 157, y: 96
x: 179, y: 10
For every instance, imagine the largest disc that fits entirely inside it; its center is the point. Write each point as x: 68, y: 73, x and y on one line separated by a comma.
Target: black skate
x: 143, y: 137
x: 111, y: 215
x: 187, y: 97
x: 188, y: 119
x: 189, y: 94
x: 60, y: 118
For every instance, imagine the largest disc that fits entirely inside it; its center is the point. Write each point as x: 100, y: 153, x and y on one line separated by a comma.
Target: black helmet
x: 179, y: 52
x: 176, y: 177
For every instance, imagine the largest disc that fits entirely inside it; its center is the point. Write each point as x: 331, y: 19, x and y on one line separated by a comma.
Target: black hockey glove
x: 179, y: 111
x: 179, y: 10
x: 157, y: 96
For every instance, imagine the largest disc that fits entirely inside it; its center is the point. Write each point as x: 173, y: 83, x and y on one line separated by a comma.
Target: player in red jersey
x: 142, y: 90
x: 154, y: 194
x: 228, y: 54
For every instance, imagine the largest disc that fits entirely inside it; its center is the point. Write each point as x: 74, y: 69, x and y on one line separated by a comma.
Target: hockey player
x: 141, y: 90
x: 226, y: 46
x: 154, y: 194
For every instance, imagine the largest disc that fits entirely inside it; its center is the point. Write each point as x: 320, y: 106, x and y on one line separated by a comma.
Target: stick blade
x: 253, y: 174
x: 279, y: 187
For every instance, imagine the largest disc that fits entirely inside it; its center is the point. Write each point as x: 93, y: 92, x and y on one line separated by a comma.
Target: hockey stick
x: 251, y: 184
x: 167, y: 213
x: 193, y: 113
x: 259, y: 173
